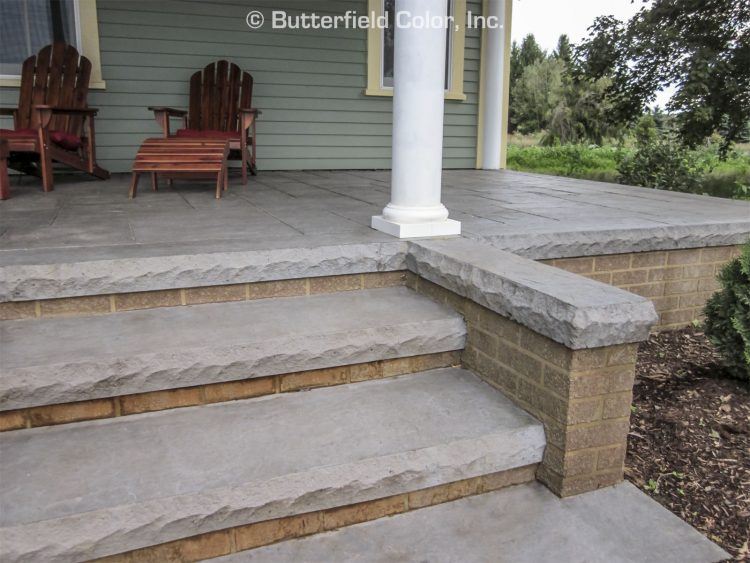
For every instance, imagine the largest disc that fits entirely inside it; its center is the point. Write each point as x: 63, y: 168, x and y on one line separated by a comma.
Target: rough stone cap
x: 568, y: 308
x: 71, y: 276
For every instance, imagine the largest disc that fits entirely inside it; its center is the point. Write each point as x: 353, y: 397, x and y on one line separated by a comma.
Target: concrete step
x: 63, y: 360
x: 137, y: 481
x: 525, y: 523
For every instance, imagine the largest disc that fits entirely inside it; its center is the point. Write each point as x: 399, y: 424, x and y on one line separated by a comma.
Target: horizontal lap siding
x: 308, y: 84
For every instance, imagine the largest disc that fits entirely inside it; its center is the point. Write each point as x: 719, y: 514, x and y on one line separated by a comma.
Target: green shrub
x: 728, y: 315
x: 661, y: 162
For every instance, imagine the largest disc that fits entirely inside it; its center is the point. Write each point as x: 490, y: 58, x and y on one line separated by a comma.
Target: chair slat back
x: 216, y: 94
x: 56, y: 76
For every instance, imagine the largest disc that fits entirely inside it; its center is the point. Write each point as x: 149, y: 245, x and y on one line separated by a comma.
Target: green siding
x: 309, y: 84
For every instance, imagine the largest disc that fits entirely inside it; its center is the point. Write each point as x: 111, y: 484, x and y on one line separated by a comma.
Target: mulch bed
x: 689, y: 444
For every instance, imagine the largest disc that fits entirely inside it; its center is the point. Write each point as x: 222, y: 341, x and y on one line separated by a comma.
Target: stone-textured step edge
x: 417, y: 432
x: 570, y: 309
x: 25, y: 282
x: 214, y: 343
x: 568, y: 244
x: 522, y: 524
x: 87, y: 305
x: 65, y: 413
x: 48, y: 274
x: 241, y: 538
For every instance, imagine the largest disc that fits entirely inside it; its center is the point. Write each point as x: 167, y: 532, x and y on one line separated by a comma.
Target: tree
x: 581, y: 114
x: 520, y: 58
x: 515, y: 73
x: 564, y: 50
x: 700, y: 46
x: 536, y: 93
x: 530, y: 51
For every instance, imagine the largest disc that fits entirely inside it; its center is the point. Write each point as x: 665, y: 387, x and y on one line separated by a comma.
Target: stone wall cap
x: 568, y: 308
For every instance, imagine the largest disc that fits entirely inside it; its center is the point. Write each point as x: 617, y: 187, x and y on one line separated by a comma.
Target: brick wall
x: 582, y: 397
x: 677, y: 281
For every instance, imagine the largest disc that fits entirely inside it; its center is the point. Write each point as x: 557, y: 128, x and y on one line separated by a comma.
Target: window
x: 380, y: 51
x: 28, y: 25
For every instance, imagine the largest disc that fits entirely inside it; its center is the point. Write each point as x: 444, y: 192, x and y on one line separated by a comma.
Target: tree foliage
x: 701, y: 47
x: 564, y: 49
x: 545, y: 95
x: 530, y: 51
x: 536, y: 93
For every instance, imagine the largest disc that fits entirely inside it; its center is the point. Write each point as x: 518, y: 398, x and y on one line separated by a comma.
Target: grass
x: 593, y: 162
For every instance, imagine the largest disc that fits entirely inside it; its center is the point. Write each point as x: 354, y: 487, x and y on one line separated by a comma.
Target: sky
x: 548, y: 19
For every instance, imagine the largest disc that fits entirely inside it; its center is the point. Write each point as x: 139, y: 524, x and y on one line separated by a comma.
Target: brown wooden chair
x: 53, y: 122
x: 220, y: 108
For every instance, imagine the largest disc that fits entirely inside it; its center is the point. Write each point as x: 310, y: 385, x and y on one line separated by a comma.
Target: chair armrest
x: 248, y: 116
x: 169, y: 111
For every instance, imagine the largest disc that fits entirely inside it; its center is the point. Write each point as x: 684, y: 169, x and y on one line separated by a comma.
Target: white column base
x: 443, y: 228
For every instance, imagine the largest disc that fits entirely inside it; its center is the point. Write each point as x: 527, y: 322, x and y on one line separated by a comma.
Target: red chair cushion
x: 207, y: 134
x: 68, y: 141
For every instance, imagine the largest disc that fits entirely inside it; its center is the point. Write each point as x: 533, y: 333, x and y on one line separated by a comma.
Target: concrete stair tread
x: 524, y: 523
x: 47, y: 361
x: 130, y: 482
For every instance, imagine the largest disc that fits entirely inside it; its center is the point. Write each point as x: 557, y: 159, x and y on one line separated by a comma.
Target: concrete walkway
x: 525, y: 523
x: 531, y: 214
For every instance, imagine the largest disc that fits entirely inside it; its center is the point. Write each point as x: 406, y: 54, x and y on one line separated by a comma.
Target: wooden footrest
x: 190, y: 158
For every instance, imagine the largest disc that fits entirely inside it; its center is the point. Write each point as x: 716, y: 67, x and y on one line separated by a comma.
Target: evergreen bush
x: 728, y: 315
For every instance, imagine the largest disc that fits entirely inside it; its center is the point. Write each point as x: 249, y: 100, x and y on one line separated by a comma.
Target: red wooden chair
x: 53, y: 122
x: 220, y: 108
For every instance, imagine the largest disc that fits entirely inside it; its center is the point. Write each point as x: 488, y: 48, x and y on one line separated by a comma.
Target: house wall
x: 308, y: 83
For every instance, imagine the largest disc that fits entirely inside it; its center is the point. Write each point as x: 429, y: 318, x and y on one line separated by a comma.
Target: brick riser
x: 118, y: 302
x: 49, y: 415
x: 251, y: 536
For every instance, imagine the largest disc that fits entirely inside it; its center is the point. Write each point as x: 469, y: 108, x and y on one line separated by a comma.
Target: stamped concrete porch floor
x: 534, y: 215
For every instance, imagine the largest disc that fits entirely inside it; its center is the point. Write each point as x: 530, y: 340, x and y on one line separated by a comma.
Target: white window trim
x: 87, y: 39
x: 375, y: 86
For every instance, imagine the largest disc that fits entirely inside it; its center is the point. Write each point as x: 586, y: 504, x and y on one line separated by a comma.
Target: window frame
x: 455, y: 89
x: 87, y: 39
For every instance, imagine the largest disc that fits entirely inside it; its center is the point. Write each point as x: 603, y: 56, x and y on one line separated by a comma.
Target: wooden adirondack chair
x: 53, y: 122
x: 220, y: 108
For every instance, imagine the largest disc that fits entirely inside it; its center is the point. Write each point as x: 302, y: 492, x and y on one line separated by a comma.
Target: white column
x: 494, y: 61
x: 415, y: 209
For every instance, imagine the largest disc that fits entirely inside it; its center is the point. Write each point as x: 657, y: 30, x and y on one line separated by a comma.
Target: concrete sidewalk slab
x: 525, y: 523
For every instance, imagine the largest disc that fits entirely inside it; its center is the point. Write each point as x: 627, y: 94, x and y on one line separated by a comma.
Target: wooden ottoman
x: 182, y: 158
